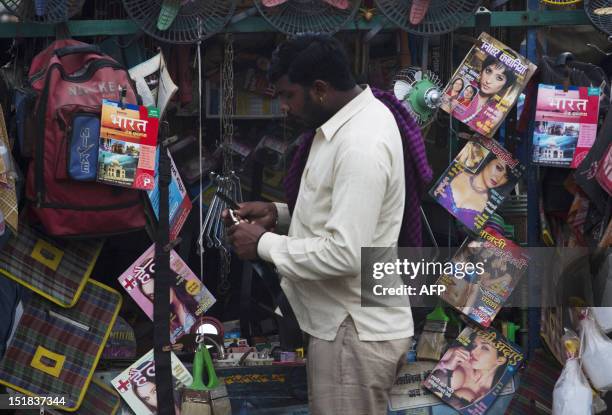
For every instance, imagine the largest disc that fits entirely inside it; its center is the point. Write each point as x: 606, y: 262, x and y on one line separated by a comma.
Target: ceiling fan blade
x: 338, y: 4
x: 272, y: 3
x: 401, y: 89
x: 418, y: 11
x: 603, y: 11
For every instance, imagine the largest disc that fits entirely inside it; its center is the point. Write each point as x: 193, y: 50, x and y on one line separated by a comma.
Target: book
x: 474, y: 370
x: 480, y: 292
x: 128, y: 138
x: 180, y: 204
x: 189, y: 297
x: 136, y: 384
x: 565, y: 124
x: 486, y: 85
x: 477, y: 182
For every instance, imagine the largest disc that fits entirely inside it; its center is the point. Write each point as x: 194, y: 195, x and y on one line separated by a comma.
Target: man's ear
x: 319, y: 90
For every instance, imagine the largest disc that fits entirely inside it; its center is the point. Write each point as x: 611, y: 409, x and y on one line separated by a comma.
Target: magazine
x: 128, y: 138
x: 180, y: 203
x: 486, y: 85
x: 474, y: 370
x: 480, y: 292
x: 477, y: 182
x: 136, y: 384
x: 189, y: 298
x: 565, y: 124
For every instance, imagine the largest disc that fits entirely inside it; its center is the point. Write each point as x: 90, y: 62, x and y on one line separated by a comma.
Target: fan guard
x: 50, y: 11
x: 307, y: 16
x: 196, y: 19
x: 600, y: 14
x: 560, y: 2
x: 443, y: 16
x: 419, y: 91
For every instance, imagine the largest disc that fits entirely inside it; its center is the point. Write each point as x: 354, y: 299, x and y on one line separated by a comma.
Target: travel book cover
x: 180, y: 203
x: 486, y: 85
x: 480, y: 292
x: 474, y: 370
x: 189, y: 298
x: 565, y: 124
x: 477, y: 182
x: 128, y: 138
x: 136, y: 384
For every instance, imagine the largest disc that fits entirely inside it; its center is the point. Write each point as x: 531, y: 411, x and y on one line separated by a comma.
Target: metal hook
x: 598, y: 49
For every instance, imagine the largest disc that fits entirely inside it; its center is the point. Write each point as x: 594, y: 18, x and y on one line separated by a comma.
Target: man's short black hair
x: 308, y: 57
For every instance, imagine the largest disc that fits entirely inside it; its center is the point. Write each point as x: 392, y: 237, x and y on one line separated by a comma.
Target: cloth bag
x: 55, y: 350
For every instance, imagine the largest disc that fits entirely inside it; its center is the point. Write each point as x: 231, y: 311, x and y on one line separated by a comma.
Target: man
x: 351, y: 196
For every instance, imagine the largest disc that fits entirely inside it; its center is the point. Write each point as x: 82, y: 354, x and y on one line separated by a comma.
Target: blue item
x: 84, y: 142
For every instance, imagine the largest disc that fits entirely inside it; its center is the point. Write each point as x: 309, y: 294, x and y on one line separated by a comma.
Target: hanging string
x: 200, y: 146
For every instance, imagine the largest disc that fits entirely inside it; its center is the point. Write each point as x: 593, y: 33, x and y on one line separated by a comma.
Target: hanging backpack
x: 70, y: 79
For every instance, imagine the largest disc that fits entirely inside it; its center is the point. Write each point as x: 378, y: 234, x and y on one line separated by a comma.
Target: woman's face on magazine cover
x: 457, y: 85
x: 484, y: 355
x: 147, y: 392
x: 468, y: 93
x: 492, y: 79
x: 148, y: 288
x: 495, y: 174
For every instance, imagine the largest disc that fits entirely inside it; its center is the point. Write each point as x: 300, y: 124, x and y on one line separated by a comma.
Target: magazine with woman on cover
x: 486, y: 85
x: 474, y: 370
x: 477, y: 182
x: 480, y: 292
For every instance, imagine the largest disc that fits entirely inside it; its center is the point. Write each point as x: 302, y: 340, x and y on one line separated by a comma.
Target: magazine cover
x: 477, y: 182
x: 565, y: 124
x: 180, y: 204
x: 136, y: 384
x: 474, y: 370
x: 128, y: 138
x: 189, y: 298
x: 481, y: 293
x: 486, y: 85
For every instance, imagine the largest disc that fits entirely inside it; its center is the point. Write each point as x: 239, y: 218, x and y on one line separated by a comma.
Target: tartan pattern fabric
x: 62, y: 285
x: 417, y: 171
x: 99, y: 400
x: 97, y: 309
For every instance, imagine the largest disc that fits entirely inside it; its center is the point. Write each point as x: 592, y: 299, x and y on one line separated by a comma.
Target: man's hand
x: 260, y: 213
x: 244, y: 237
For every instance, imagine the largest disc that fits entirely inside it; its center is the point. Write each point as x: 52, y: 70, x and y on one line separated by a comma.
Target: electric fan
x: 600, y: 14
x: 180, y: 21
x: 43, y: 11
x: 560, y: 2
x: 420, y: 92
x: 427, y: 17
x: 312, y: 16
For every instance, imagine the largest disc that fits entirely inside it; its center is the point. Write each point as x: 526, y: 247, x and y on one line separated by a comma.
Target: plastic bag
x: 596, y: 355
x: 572, y: 394
x: 603, y: 317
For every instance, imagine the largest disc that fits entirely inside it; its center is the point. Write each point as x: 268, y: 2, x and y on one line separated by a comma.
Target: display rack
x: 533, y: 18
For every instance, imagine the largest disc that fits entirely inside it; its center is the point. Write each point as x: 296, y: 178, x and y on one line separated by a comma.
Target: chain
x: 227, y: 133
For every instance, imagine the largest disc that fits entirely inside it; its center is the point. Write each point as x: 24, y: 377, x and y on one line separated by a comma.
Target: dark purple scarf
x: 416, y: 169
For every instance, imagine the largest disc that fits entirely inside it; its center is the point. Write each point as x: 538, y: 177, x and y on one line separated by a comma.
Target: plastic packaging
x: 603, y: 317
x: 572, y: 394
x: 596, y: 355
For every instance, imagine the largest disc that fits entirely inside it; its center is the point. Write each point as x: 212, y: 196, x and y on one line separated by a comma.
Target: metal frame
x: 533, y: 18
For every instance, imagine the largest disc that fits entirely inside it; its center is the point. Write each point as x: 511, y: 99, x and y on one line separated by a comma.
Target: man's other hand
x: 244, y: 237
x: 260, y: 213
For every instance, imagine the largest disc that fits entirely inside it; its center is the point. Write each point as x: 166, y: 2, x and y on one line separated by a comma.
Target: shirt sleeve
x: 283, y: 217
x: 359, y: 183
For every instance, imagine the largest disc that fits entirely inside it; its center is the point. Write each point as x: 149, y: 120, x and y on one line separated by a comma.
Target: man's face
x: 301, y: 103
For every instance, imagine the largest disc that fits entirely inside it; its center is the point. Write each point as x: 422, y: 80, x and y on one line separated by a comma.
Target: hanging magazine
x: 128, y: 138
x: 179, y: 203
x: 486, y: 85
x: 477, y: 182
x: 565, y: 124
x: 189, y: 298
x: 136, y: 384
x: 480, y: 292
x: 474, y: 370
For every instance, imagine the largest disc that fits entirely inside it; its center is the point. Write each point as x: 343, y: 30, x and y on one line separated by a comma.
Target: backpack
x: 70, y: 79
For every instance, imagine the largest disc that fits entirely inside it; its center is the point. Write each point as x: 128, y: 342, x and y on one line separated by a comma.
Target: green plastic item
x: 511, y: 330
x: 437, y: 314
x: 200, y: 360
x: 167, y: 14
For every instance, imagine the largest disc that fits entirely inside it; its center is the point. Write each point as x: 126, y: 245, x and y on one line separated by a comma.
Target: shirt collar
x: 331, y: 126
